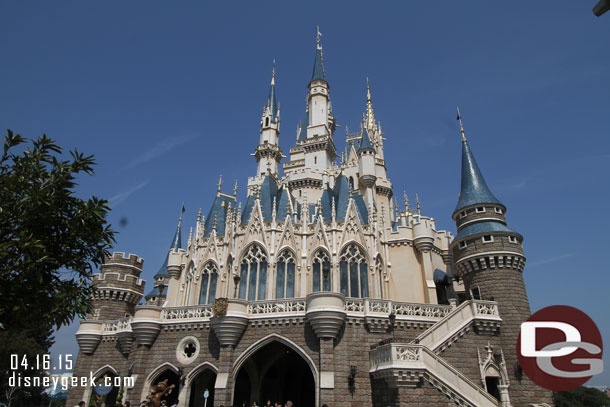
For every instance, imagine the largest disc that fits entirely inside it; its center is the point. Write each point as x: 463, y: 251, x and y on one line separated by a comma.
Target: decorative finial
x: 318, y: 36
x: 273, y: 73
x: 235, y: 189
x: 418, y: 205
x: 368, y: 90
x: 333, y: 211
x: 220, y: 183
x: 258, y: 193
x: 274, y: 211
x: 199, y: 216
x: 395, y: 208
x: 214, y: 222
x: 181, y: 212
x: 190, y: 236
x: 406, y: 201
x: 459, y: 117
x: 268, y: 167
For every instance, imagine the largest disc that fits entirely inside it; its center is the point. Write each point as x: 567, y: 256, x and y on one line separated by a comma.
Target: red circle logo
x: 560, y: 348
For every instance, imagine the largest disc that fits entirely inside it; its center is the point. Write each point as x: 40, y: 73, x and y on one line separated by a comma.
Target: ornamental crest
x: 220, y: 307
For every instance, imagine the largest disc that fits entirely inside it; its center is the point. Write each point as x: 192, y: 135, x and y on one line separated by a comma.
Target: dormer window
x: 498, y: 210
x: 480, y: 209
x: 462, y: 214
x: 513, y: 239
x: 463, y: 244
x: 488, y: 238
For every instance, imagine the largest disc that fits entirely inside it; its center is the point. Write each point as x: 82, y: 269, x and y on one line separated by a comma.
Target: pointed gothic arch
x: 202, y: 377
x: 208, y: 282
x: 189, y: 282
x: 321, y: 266
x: 253, y: 273
x: 156, y: 374
x: 267, y: 340
x: 96, y: 375
x: 353, y: 270
x: 285, y: 273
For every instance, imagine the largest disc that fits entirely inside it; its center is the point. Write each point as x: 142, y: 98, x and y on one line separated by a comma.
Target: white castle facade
x: 320, y: 289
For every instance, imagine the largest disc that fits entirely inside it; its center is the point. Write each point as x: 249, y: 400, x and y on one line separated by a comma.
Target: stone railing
x: 275, y: 307
x: 119, y: 325
x: 295, y: 163
x: 451, y: 325
x: 354, y: 307
x: 408, y: 363
x: 402, y: 310
x: 192, y: 313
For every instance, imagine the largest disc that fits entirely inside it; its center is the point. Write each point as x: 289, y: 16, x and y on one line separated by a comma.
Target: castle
x: 320, y: 289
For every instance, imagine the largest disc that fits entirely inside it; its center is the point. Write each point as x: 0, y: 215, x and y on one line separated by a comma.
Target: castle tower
x: 117, y: 289
x: 315, y: 151
x: 488, y: 256
x: 158, y: 294
x: 268, y: 153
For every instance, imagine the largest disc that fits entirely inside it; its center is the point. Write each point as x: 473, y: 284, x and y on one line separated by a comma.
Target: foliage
x: 581, y: 397
x: 50, y: 242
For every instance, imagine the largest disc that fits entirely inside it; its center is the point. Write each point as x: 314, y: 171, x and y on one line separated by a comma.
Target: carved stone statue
x: 157, y: 392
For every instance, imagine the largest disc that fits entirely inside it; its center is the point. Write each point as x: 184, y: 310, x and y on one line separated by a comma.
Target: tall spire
x: 370, y: 115
x: 474, y: 189
x: 459, y: 117
x: 271, y: 100
x: 318, y: 65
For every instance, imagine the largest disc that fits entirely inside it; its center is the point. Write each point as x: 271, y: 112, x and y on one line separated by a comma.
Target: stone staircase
x: 407, y: 364
x: 484, y: 314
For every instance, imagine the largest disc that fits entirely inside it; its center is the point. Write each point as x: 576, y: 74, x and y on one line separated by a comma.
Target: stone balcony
x: 374, y: 312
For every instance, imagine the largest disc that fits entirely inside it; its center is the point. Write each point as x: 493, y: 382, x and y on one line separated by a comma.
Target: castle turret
x: 488, y: 256
x: 158, y: 294
x: 116, y: 291
x: 366, y: 166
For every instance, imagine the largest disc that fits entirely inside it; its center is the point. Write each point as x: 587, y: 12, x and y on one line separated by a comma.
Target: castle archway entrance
x: 204, y: 380
x: 172, y: 378
x: 275, y: 372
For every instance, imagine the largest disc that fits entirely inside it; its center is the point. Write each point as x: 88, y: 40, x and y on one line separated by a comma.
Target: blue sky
x: 168, y: 96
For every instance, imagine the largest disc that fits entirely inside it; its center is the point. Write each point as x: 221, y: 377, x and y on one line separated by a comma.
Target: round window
x: 187, y: 350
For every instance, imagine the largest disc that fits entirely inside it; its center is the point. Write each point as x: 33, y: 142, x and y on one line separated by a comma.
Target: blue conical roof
x: 474, y: 188
x: 318, y: 67
x: 304, y: 125
x: 175, y: 245
x: 365, y: 143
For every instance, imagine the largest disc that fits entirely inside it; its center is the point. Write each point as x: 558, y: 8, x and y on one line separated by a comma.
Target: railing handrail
x: 421, y: 349
x: 377, y: 307
x: 469, y: 306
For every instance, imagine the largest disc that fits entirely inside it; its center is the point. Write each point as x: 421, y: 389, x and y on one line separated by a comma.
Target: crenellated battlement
x: 120, y: 258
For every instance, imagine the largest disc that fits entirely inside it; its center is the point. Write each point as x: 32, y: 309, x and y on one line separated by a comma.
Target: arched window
x: 353, y: 273
x: 188, y: 284
x: 209, y: 276
x: 351, y: 183
x: 321, y: 271
x: 253, y: 278
x: 284, y: 281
